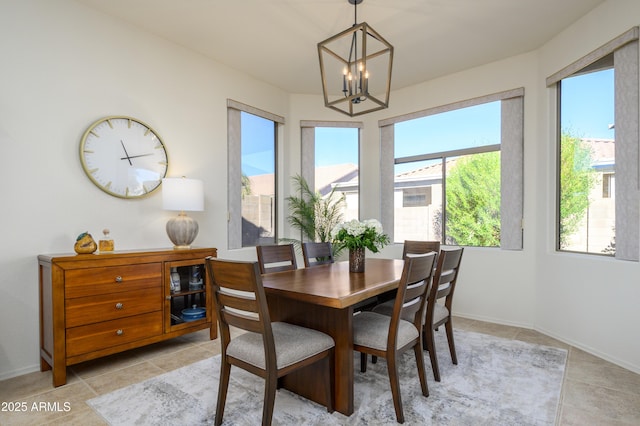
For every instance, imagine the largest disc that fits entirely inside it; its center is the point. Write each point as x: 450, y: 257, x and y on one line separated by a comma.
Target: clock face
x: 123, y: 156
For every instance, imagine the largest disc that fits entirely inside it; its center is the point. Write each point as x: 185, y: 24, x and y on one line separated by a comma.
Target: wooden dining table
x: 323, y: 298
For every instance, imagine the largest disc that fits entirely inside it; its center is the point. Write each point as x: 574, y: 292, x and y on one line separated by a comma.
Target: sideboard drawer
x: 105, y: 307
x: 111, y: 279
x: 93, y: 337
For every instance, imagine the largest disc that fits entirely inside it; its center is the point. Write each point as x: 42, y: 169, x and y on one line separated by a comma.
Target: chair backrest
x: 420, y: 247
x: 444, y: 279
x: 276, y: 258
x: 240, y: 301
x: 317, y: 253
x: 412, y: 292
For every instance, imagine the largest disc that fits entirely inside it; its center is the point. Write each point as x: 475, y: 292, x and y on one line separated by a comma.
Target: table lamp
x: 182, y: 194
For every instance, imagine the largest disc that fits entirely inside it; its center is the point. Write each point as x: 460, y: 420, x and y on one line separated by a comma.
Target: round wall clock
x: 123, y: 156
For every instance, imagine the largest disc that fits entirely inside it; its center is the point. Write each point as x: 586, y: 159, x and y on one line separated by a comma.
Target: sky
x: 588, y: 105
x: 587, y: 111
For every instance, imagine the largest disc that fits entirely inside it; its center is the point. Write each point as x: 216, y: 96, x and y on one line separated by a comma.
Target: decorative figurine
x: 85, y: 244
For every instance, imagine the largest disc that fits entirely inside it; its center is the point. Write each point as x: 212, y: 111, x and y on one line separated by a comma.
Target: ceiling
x: 276, y: 40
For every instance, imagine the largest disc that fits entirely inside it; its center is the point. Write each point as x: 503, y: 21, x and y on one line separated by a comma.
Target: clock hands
x: 135, y: 156
x: 126, y: 153
x: 129, y: 157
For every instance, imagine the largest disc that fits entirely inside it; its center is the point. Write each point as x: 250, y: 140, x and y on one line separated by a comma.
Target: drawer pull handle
x: 119, y: 305
x: 118, y: 279
x: 119, y: 332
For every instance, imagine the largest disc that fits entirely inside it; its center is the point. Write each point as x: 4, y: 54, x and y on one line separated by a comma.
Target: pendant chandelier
x: 355, y: 67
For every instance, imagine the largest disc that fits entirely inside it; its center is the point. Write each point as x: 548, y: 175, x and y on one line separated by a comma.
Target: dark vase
x: 356, y: 259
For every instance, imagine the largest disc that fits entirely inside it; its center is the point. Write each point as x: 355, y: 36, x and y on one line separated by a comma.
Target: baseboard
x: 607, y: 357
x: 22, y: 371
x: 494, y: 320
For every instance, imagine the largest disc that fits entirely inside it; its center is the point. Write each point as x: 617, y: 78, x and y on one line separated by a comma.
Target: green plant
x: 311, y: 213
x: 473, y: 201
x: 576, y: 180
x: 356, y: 234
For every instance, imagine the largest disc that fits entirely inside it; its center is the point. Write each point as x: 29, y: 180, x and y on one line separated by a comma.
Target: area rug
x: 496, y: 382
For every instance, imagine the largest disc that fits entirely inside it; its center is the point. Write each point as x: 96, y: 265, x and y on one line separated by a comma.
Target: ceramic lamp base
x: 182, y: 230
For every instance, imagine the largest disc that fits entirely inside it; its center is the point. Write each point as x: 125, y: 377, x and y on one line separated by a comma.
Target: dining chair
x: 389, y: 336
x: 419, y: 247
x: 410, y: 247
x: 276, y: 258
x: 269, y: 350
x: 437, y: 314
x: 317, y: 253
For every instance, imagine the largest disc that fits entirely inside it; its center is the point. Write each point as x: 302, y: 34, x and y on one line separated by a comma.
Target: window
x: 587, y: 152
x: 454, y: 156
x: 608, y: 185
x: 331, y: 162
x: 336, y: 166
x: 416, y: 197
x: 442, y: 171
x: 252, y: 175
x: 597, y: 170
x: 258, y: 180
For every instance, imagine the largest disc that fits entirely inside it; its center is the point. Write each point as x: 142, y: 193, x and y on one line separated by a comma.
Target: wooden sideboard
x: 93, y: 305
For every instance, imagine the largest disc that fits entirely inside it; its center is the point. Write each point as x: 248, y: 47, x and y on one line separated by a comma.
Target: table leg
x: 338, y: 323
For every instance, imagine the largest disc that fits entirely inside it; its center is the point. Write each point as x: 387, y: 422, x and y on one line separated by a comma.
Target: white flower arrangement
x: 356, y: 234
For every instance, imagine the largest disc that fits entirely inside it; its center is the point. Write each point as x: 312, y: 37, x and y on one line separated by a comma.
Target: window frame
x: 627, y: 116
x: 511, y: 163
x: 308, y: 149
x: 234, y: 161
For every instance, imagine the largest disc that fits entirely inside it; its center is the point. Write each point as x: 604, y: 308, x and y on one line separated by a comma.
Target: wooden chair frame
x: 410, y: 302
x: 284, y: 256
x: 444, y: 284
x: 317, y: 253
x: 238, y: 285
x: 420, y: 247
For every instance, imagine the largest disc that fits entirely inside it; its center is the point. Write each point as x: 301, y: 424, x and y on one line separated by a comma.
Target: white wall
x: 64, y: 66
x: 588, y: 301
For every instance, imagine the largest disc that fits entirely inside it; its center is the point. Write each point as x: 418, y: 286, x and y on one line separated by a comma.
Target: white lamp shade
x: 182, y: 194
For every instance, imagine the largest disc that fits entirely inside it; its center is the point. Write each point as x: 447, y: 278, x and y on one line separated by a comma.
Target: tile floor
x: 594, y: 392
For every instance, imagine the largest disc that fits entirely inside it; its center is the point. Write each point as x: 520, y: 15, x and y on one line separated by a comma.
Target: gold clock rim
x: 98, y: 184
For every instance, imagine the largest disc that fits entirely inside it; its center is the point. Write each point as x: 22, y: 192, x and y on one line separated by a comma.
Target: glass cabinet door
x: 187, y: 300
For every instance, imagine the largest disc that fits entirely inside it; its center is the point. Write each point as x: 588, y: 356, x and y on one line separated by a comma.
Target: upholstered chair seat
x: 372, y: 330
x: 249, y: 346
